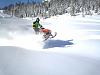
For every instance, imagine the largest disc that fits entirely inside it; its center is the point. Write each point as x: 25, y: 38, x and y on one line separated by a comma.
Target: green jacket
x: 36, y: 24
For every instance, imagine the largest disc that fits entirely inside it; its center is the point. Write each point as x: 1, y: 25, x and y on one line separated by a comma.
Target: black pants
x: 36, y: 30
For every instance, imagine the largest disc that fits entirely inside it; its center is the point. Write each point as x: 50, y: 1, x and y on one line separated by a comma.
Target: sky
x: 7, y: 2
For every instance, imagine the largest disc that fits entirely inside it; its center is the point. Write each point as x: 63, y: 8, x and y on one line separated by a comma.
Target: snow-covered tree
x: 49, y: 8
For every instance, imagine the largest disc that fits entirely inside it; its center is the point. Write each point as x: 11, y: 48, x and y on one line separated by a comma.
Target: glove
x: 41, y: 26
x: 33, y: 25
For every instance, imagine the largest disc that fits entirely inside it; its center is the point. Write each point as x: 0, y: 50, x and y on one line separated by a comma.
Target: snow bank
x: 2, y: 15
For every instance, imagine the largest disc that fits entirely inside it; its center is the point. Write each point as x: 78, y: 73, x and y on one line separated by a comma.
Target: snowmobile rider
x: 37, y: 26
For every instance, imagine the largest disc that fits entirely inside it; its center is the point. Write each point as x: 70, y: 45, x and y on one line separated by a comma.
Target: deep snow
x: 74, y: 51
x: 19, y: 61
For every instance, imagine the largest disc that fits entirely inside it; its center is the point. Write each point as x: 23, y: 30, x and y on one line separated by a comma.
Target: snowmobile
x: 47, y: 34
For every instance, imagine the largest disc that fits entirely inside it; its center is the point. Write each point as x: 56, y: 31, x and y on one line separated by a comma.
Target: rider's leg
x: 36, y: 30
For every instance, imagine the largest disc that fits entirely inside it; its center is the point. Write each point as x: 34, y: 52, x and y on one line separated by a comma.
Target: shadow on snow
x: 57, y: 43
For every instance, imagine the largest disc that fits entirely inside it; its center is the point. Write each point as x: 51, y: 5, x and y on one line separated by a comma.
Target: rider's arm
x: 40, y: 25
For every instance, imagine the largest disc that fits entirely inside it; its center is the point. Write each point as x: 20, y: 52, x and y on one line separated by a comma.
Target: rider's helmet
x: 37, y: 19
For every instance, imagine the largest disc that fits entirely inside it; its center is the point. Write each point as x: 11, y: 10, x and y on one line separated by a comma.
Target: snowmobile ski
x: 49, y: 37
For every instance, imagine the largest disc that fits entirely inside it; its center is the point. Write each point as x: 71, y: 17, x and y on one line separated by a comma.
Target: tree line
x: 53, y: 7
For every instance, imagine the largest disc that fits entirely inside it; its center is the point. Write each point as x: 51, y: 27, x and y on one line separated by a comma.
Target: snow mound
x: 2, y: 15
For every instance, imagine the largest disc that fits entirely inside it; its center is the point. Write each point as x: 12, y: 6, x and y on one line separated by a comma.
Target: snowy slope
x: 76, y: 34
x: 74, y: 51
